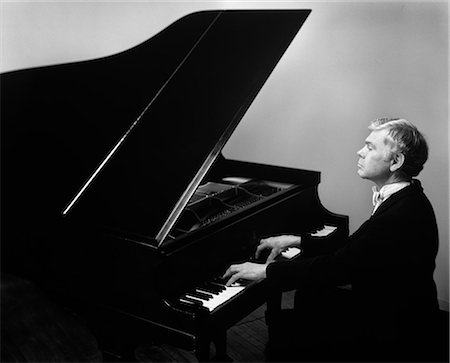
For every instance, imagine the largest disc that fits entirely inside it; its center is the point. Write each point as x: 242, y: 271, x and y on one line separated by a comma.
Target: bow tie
x: 377, y: 197
x: 385, y: 192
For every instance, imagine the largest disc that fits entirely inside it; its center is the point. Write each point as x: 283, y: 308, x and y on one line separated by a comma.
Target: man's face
x: 373, y: 163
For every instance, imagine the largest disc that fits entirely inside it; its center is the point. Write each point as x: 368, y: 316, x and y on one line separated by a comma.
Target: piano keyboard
x: 291, y: 252
x: 213, y: 294
x: 324, y: 231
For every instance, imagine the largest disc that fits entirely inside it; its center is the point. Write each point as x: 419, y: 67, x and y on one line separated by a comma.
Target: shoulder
x: 406, y: 214
x: 415, y: 200
x: 407, y: 201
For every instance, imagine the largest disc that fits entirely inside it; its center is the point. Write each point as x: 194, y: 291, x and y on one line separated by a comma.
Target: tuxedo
x: 389, y: 262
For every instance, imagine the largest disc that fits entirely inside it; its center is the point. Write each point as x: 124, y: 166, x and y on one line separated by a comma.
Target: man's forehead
x: 377, y: 136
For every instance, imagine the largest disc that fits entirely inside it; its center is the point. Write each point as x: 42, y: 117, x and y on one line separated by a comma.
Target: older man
x: 389, y: 260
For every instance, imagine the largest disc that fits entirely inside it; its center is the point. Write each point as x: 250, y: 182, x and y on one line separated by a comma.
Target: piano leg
x: 220, y: 343
x: 202, y: 350
x: 272, y: 315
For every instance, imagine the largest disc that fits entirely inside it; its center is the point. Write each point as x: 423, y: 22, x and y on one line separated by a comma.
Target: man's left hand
x: 246, y: 271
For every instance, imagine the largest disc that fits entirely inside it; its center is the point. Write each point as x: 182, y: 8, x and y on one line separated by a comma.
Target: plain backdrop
x: 350, y: 63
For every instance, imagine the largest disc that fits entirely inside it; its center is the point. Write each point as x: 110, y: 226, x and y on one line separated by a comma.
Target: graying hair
x: 406, y: 139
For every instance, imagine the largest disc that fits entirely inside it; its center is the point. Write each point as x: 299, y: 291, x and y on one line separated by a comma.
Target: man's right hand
x: 276, y: 245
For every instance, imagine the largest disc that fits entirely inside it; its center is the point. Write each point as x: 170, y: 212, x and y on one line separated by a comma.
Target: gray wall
x: 350, y: 63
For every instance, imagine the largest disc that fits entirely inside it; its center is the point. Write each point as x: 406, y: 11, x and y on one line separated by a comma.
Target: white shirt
x: 385, y: 192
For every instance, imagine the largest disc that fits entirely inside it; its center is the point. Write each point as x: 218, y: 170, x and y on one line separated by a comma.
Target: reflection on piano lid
x: 212, y: 201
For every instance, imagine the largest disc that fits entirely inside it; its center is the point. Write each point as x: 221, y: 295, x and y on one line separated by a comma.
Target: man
x: 389, y: 261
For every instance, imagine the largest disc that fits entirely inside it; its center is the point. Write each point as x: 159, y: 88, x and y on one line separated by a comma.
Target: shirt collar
x: 379, y: 196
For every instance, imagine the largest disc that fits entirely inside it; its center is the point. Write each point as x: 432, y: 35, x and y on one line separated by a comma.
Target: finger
x: 273, y: 254
x: 230, y: 271
x: 234, y: 278
x: 258, y: 251
x: 262, y: 246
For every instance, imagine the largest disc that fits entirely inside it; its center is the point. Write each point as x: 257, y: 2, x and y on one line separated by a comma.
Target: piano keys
x: 116, y: 197
x: 212, y: 294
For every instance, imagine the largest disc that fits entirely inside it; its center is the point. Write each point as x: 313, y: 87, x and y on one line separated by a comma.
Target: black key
x: 219, y: 286
x: 187, y: 304
x: 210, y: 286
x: 207, y: 290
x: 220, y: 281
x: 200, y: 295
x: 196, y: 302
x: 183, y: 300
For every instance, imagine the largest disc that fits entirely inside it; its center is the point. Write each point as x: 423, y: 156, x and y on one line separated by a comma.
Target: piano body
x: 116, y: 197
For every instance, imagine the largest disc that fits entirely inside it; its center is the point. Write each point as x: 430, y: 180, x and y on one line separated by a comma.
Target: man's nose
x: 360, y: 153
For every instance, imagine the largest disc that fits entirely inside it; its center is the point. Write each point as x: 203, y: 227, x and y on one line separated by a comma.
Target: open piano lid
x: 199, y: 76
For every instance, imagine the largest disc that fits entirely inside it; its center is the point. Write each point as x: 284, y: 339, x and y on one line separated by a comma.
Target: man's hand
x: 247, y: 271
x: 277, y: 245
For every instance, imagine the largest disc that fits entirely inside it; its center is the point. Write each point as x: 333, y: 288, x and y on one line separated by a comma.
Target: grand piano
x: 116, y: 197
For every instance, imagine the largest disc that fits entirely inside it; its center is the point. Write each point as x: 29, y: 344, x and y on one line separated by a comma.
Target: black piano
x: 116, y: 197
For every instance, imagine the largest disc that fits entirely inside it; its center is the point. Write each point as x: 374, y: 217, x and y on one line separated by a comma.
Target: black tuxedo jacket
x: 389, y: 261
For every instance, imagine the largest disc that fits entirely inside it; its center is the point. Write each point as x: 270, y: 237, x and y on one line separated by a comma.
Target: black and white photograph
x: 224, y: 181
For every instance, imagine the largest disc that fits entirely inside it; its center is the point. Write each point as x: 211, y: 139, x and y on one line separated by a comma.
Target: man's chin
x: 361, y: 174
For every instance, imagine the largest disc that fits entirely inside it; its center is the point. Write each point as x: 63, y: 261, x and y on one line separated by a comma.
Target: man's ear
x: 397, y: 161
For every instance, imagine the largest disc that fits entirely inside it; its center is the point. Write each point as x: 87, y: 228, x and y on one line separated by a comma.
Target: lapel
x: 413, y: 188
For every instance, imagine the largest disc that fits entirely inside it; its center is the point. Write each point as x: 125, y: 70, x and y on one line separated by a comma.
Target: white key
x: 223, y: 296
x: 325, y: 231
x: 291, y: 252
x: 218, y: 299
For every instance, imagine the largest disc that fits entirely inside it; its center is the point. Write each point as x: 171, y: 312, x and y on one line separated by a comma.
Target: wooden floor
x: 247, y: 339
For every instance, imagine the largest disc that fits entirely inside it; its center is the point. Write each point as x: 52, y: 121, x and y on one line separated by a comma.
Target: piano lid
x: 199, y: 76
